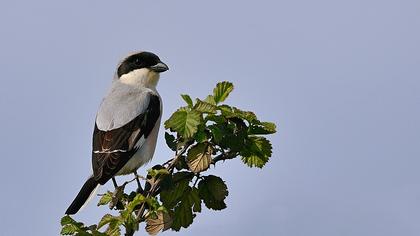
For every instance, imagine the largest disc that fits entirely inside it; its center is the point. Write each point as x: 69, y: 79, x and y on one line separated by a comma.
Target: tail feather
x: 83, y: 197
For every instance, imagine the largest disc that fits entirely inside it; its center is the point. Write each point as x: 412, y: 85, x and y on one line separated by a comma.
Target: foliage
x: 201, y: 133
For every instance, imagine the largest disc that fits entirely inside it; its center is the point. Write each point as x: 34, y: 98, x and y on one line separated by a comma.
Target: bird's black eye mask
x: 137, y: 61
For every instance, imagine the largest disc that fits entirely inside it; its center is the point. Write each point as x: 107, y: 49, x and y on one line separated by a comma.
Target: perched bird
x: 127, y: 123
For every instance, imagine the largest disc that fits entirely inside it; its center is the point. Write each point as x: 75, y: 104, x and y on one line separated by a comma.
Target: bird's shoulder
x: 123, y: 104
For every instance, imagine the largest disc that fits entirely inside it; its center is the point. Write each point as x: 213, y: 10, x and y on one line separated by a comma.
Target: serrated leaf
x: 171, y: 197
x: 230, y: 112
x: 246, y: 115
x: 184, y: 122
x: 222, y: 91
x: 254, y: 161
x: 183, y: 212
x: 256, y: 152
x: 199, y: 157
x: 67, y: 220
x: 114, y: 228
x: 263, y: 128
x: 213, y: 191
x: 183, y: 216
x: 170, y: 141
x: 162, y: 221
x: 187, y: 99
x: 138, y: 199
x: 106, y: 219
x: 210, y: 99
x: 105, y: 199
x: 204, y: 107
x: 69, y: 229
x: 269, y: 126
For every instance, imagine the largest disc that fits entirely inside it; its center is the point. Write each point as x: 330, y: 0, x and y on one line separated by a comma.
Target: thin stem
x: 155, y: 184
x: 197, y: 177
x: 114, y: 182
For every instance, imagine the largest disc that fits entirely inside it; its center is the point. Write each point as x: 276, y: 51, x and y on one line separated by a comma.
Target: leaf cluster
x: 219, y: 131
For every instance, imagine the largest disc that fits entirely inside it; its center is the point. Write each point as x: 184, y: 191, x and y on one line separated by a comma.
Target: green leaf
x: 213, y: 191
x: 187, y: 99
x: 170, y: 197
x: 183, y: 215
x: 138, y: 199
x: 201, y: 135
x: 216, y: 118
x: 263, y: 128
x: 233, y: 112
x: 210, y: 99
x: 97, y: 233
x: 106, y: 219
x: 199, y: 157
x: 184, y: 122
x: 256, y: 152
x: 170, y: 141
x: 217, y: 132
x: 222, y: 90
x: 181, y: 163
x: 246, y: 115
x: 195, y: 199
x: 113, y: 222
x: 67, y: 220
x: 233, y: 134
x: 204, y: 107
x: 105, y: 199
x: 155, y: 172
x: 83, y: 233
x: 69, y: 229
x: 254, y: 161
x: 114, y: 228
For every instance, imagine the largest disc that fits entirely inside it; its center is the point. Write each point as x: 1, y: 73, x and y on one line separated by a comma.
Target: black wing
x: 112, y: 149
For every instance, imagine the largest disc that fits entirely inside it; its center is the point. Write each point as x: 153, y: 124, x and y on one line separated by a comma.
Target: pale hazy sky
x: 340, y: 78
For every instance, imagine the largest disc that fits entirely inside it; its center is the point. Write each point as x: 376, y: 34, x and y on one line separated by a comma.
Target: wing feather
x: 112, y: 149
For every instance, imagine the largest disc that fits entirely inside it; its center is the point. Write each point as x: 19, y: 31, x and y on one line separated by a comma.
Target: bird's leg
x: 114, y: 182
x: 139, y: 189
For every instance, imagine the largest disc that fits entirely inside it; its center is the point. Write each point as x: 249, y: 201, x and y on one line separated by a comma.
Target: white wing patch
x: 110, y: 151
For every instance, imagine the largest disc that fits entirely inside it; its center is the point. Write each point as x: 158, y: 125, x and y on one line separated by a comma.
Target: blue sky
x: 341, y: 79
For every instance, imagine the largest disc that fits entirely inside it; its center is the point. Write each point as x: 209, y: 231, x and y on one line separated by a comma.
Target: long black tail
x: 81, y: 198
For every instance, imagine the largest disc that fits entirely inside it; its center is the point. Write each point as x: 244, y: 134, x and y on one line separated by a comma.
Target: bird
x: 126, y: 125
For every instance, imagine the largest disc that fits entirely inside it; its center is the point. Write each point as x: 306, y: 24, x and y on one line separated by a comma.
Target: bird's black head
x: 141, y: 60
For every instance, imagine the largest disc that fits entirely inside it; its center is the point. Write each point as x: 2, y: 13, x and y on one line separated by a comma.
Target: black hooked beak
x: 159, y: 67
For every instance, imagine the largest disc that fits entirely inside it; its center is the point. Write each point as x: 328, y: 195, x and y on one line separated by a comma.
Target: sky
x: 341, y: 79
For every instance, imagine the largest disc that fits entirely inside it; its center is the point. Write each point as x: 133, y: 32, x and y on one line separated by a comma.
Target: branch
x: 155, y: 184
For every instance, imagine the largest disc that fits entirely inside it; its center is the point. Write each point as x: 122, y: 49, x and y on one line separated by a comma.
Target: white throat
x: 141, y: 78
